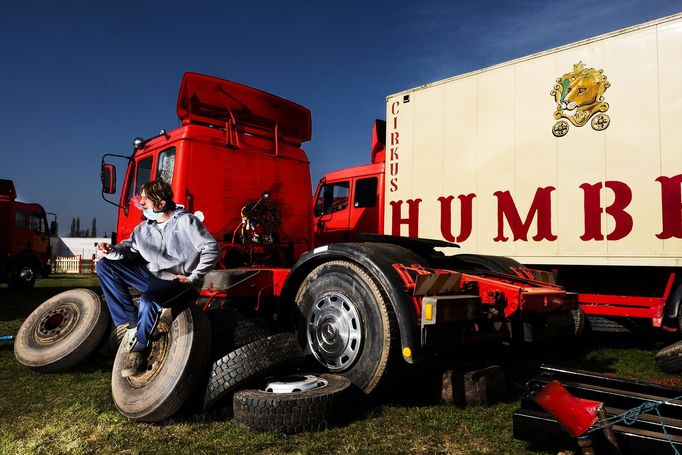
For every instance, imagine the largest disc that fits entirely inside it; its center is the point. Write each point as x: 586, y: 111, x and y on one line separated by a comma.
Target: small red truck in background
x: 359, y: 308
x: 24, y: 239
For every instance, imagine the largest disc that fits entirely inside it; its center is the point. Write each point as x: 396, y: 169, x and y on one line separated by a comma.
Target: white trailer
x: 568, y: 160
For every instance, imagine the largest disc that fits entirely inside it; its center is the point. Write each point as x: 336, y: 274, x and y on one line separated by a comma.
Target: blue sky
x: 80, y: 79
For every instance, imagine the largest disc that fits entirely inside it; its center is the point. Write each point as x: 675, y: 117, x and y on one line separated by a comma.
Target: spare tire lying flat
x: 669, y: 359
x: 250, y: 362
x: 62, y: 331
x: 295, y: 411
x: 179, y: 355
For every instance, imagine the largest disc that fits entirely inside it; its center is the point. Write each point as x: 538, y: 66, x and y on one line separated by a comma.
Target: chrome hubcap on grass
x: 334, y: 331
x: 290, y: 384
x: 56, y: 323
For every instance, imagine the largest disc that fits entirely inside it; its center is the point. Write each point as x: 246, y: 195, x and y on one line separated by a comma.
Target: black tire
x: 230, y: 330
x: 250, y: 362
x: 580, y: 324
x: 180, y: 349
x: 345, y: 322
x: 110, y: 344
x: 294, y: 412
x: 62, y: 331
x: 607, y: 324
x: 24, y: 275
x: 669, y: 359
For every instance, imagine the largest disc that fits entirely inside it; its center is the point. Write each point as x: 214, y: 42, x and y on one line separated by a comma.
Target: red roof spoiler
x: 7, y: 191
x: 208, y: 99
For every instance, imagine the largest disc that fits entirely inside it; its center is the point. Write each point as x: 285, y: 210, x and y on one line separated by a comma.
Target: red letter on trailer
x: 465, y: 217
x: 395, y: 108
x: 593, y: 210
x: 412, y: 219
x: 671, y: 198
x: 541, y: 206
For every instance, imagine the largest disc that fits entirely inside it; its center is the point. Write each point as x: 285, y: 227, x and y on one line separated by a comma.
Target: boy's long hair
x: 157, y: 191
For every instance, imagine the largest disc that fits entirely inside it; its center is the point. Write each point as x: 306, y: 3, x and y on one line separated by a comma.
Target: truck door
x: 6, y: 229
x: 39, y: 241
x: 22, y: 239
x: 365, y: 213
x: 332, y: 213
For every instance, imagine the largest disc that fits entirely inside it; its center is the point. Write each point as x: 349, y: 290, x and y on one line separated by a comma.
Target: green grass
x: 73, y: 412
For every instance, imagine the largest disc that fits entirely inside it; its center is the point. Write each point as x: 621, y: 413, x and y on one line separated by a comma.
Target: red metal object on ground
x: 575, y: 415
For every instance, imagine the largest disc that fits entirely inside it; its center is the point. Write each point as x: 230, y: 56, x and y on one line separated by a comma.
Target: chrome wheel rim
x: 334, y: 331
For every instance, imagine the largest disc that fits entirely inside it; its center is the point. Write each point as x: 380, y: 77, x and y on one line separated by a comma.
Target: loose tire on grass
x: 115, y: 335
x: 669, y: 359
x: 346, y: 323
x: 250, y: 362
x: 179, y: 355
x: 294, y: 412
x: 62, y: 331
x: 230, y: 330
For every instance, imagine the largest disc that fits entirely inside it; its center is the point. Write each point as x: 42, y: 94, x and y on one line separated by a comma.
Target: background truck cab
x: 24, y: 239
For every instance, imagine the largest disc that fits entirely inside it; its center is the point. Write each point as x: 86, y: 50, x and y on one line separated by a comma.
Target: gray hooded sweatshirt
x: 183, y: 246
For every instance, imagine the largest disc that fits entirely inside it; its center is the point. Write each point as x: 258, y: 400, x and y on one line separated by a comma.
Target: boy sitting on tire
x: 166, y: 258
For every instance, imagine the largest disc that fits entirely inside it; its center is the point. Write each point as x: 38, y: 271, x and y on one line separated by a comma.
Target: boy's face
x: 146, y: 203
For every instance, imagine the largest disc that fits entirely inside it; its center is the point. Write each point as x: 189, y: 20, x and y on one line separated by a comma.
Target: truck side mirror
x: 53, y: 228
x: 108, y: 176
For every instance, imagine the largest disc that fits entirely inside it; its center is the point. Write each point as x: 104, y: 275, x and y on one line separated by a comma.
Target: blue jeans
x: 116, y: 275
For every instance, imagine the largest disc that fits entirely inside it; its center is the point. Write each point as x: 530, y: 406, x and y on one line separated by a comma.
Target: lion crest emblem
x: 579, y: 95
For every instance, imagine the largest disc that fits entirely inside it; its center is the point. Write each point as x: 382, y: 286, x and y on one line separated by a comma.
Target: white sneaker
x: 129, y: 339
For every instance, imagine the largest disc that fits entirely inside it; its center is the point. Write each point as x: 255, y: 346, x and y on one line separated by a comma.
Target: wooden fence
x: 72, y: 264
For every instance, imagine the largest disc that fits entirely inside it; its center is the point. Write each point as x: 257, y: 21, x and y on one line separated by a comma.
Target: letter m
x: 541, y: 208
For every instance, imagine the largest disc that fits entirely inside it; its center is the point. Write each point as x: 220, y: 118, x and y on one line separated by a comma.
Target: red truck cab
x: 235, y: 144
x: 24, y: 239
x: 351, y: 201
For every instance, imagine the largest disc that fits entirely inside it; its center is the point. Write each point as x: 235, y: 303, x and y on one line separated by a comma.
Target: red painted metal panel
x: 208, y: 99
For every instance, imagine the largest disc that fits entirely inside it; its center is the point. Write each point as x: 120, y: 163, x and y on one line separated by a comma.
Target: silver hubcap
x: 334, y: 331
x: 292, y: 384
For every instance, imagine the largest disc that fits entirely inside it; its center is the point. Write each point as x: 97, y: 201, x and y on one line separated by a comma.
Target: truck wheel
x: 669, y: 359
x: 302, y: 403
x: 177, y: 361
x: 24, y: 275
x: 62, y: 331
x: 250, y: 362
x: 346, y: 324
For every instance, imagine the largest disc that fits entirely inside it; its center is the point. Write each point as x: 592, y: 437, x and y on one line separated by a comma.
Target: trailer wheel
x: 669, y: 359
x: 177, y: 361
x: 62, y: 331
x: 25, y: 274
x: 302, y: 403
x: 579, y: 321
x: 250, y: 362
x: 346, y: 324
